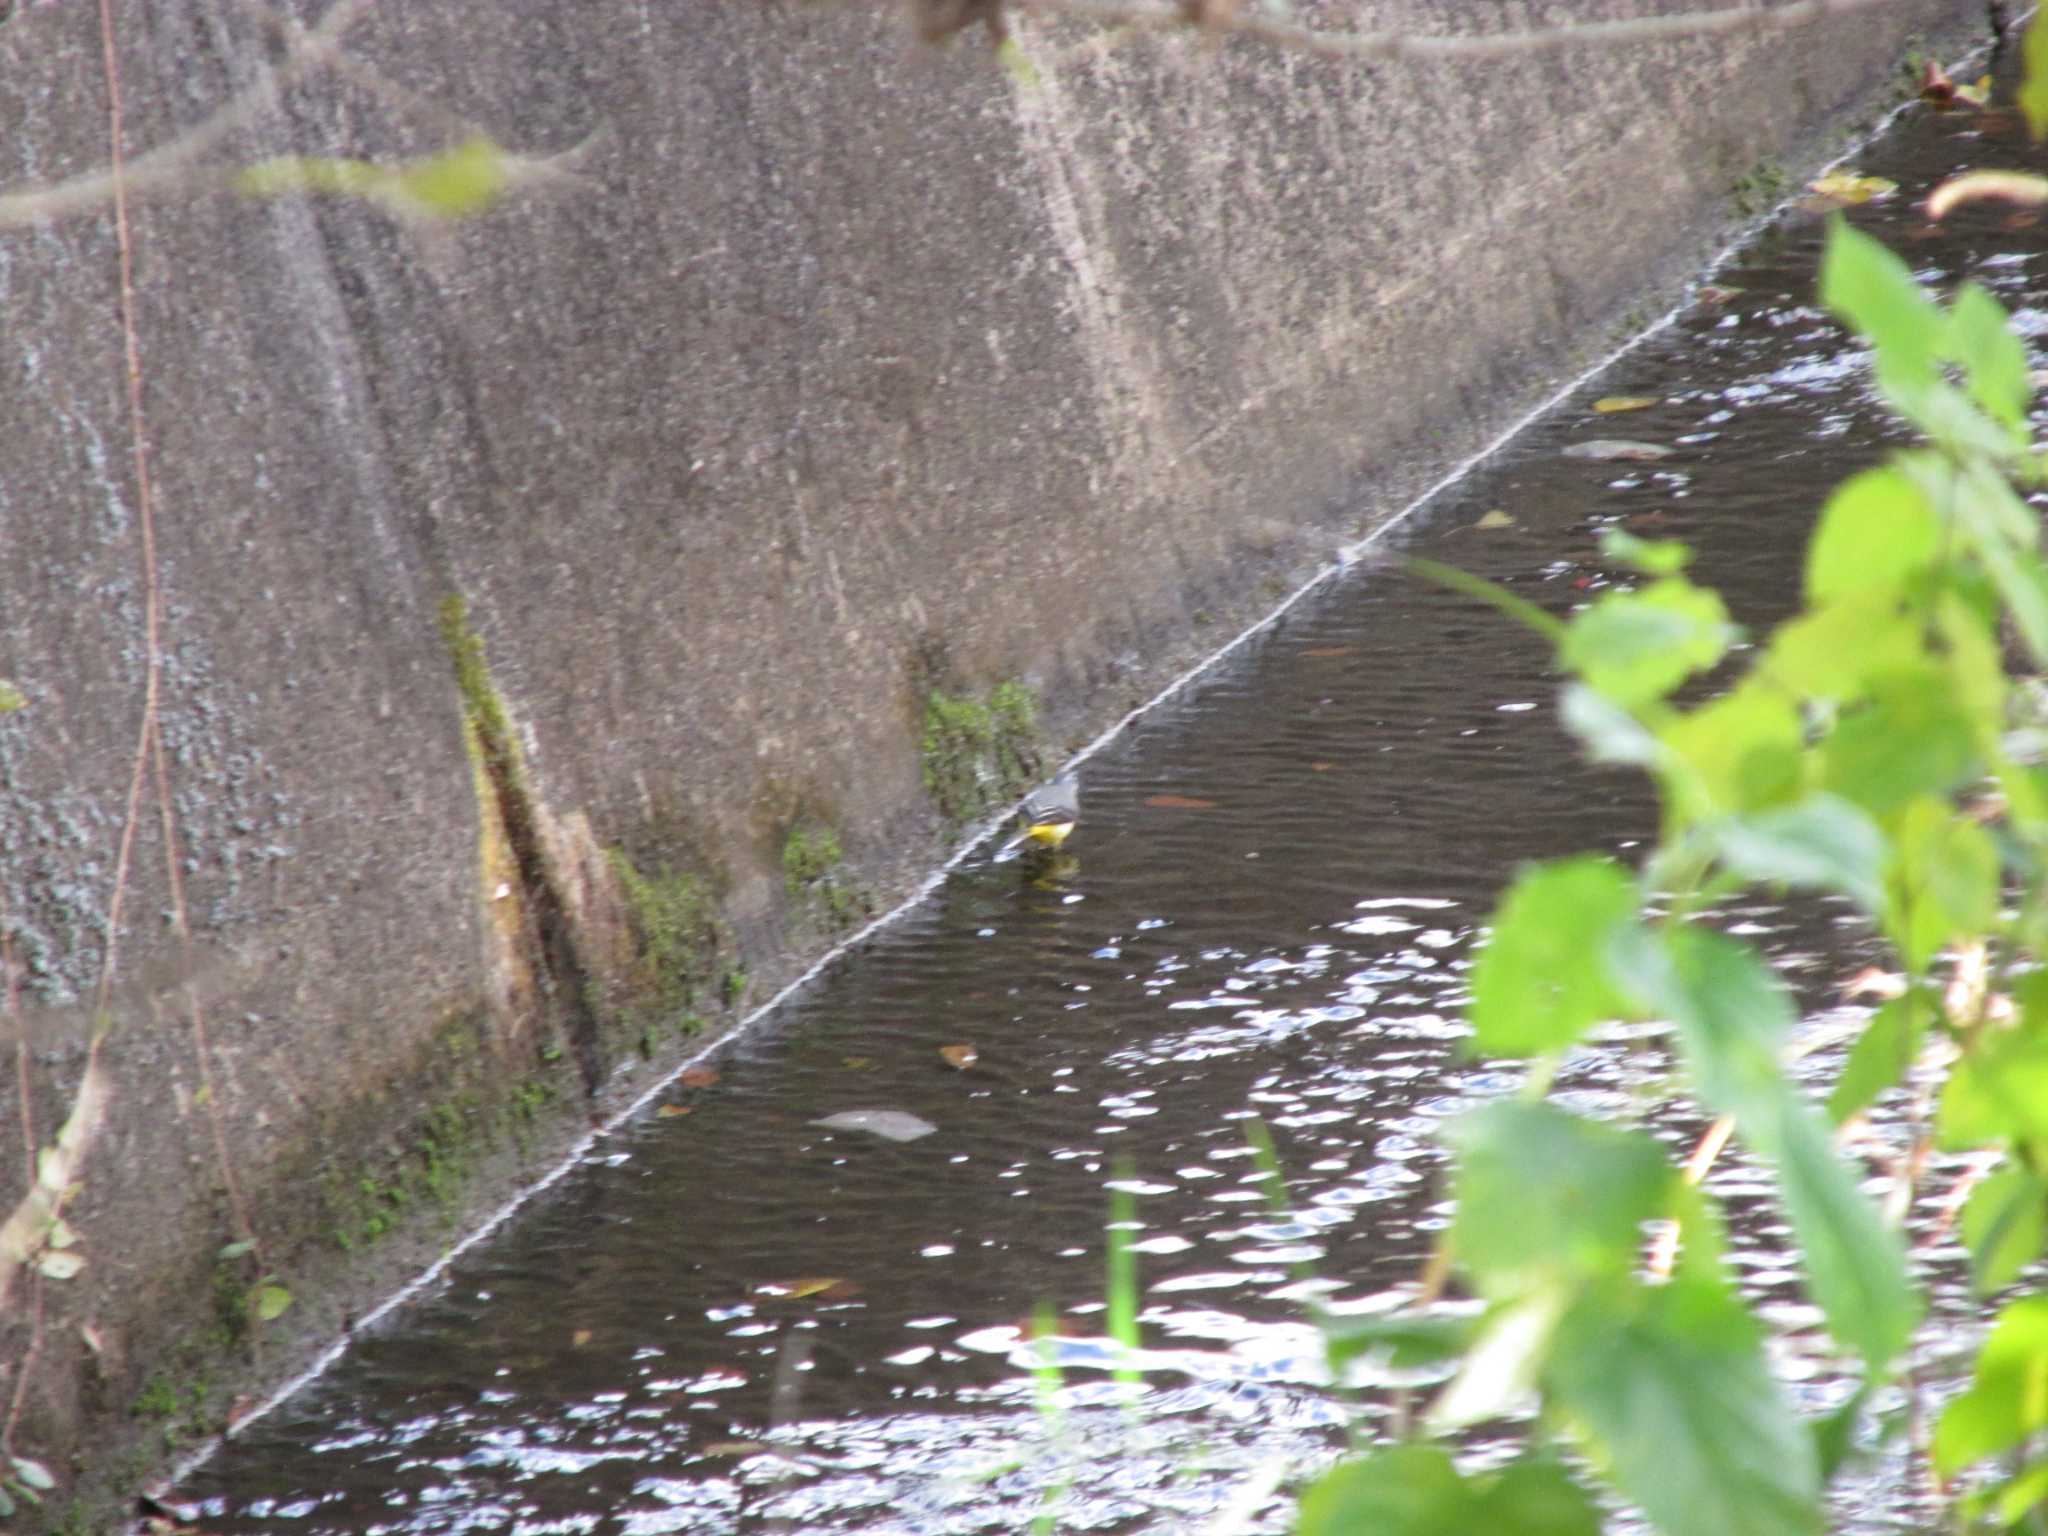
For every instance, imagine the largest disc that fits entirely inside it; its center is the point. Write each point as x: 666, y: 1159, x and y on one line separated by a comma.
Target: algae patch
x: 681, y: 947
x: 979, y: 753
x: 813, y: 876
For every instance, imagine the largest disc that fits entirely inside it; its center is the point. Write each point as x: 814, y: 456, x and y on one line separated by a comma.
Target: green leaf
x: 1635, y: 647
x: 1822, y: 841
x: 1993, y: 359
x: 1535, y: 1497
x: 1668, y: 1385
x: 1888, y: 1046
x: 2020, y: 1494
x: 11, y: 698
x: 2008, y: 1395
x: 237, y: 1249
x: 1541, y: 981
x: 1834, y: 1433
x: 2033, y: 96
x: 1944, y: 877
x: 1855, y: 1262
x: 1997, y: 1092
x: 1979, y: 496
x: 1406, y: 1490
x: 1976, y: 663
x: 1834, y: 651
x: 2023, y: 585
x: 1731, y: 1013
x: 1408, y: 1341
x: 33, y: 1474
x: 1876, y: 531
x: 1543, y: 1194
x: 1653, y: 557
x: 1609, y: 733
x: 1909, y: 737
x: 2005, y: 1224
x: 1874, y: 291
x: 1497, y: 1377
x: 1740, y: 752
x: 1417, y: 1490
x: 1732, y: 1016
x: 463, y: 179
x: 272, y: 1302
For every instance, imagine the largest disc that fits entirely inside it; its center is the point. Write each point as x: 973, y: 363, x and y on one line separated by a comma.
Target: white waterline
x: 1347, y: 556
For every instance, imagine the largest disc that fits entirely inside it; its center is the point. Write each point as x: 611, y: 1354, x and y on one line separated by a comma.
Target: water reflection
x: 1269, y: 913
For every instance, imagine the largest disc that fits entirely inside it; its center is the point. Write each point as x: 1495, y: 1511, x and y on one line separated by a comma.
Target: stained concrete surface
x: 821, y: 372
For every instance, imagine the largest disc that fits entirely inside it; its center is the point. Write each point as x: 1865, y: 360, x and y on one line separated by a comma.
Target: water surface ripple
x: 740, y: 1320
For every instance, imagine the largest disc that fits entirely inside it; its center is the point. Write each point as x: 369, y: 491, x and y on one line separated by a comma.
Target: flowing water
x: 741, y: 1320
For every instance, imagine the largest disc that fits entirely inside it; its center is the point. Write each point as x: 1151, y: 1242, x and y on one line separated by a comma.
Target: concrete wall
x: 826, y: 373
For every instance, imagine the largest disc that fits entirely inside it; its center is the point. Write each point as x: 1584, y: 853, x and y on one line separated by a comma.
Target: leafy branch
x: 1849, y: 759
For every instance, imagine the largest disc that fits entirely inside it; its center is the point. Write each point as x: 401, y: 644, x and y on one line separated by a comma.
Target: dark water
x: 1287, y: 939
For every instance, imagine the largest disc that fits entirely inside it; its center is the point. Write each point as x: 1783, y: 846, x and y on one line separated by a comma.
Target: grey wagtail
x: 1047, y: 815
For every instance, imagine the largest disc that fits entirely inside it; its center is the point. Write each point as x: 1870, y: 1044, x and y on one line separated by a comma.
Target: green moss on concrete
x: 177, y: 1406
x: 812, y: 874
x: 1759, y: 189
x: 978, y: 753
x: 681, y: 943
x: 480, y: 701
x: 472, y: 1107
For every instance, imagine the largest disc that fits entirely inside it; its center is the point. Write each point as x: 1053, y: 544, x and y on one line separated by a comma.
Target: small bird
x: 1047, y: 815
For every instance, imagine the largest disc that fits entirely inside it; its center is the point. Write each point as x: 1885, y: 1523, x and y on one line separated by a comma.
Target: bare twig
x: 10, y: 1000
x: 1664, y: 1247
x: 25, y: 1370
x: 1393, y: 46
x: 145, y: 515
x: 170, y: 162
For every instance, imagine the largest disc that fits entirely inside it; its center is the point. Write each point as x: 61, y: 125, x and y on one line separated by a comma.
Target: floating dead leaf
x: 1320, y: 767
x: 580, y: 1337
x: 1179, y: 803
x: 796, y: 1290
x: 1717, y: 293
x: 2018, y: 221
x: 1614, y: 405
x: 961, y: 1056
x: 698, y: 1077
x: 732, y: 1448
x: 2015, y: 187
x: 1325, y: 652
x: 1495, y: 519
x: 669, y: 1111
x: 889, y: 1124
x: 1977, y: 93
x: 1617, y: 450
x: 858, y: 1063
x: 1849, y: 188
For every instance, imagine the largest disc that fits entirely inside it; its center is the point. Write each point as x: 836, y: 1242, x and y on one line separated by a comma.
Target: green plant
x: 1853, y: 756
x: 679, y: 932
x: 977, y: 753
x: 811, y: 865
x: 1759, y: 188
